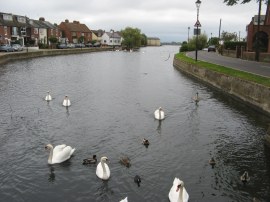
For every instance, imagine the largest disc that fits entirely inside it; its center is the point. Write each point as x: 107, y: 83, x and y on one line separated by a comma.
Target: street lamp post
x: 198, y: 3
x: 188, y: 34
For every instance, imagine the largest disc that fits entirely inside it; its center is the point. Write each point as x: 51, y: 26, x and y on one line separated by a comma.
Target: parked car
x: 79, y: 45
x: 212, y: 48
x: 97, y: 44
x: 70, y: 45
x: 62, y: 46
x: 17, y: 47
x: 6, y: 48
x: 88, y: 45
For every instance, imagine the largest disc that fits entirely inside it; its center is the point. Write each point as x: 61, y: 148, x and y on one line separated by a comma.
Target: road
x: 259, y: 68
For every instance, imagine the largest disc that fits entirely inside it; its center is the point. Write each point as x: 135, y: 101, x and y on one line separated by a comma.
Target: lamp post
x: 198, y: 3
x: 188, y: 35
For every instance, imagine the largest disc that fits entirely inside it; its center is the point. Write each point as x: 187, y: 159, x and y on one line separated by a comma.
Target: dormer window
x: 21, y: 19
x: 7, y: 17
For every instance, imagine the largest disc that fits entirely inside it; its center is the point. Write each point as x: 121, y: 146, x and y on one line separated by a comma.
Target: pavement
x: 259, y: 68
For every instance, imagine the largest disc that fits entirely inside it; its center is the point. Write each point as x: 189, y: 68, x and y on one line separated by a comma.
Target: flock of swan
x: 61, y: 153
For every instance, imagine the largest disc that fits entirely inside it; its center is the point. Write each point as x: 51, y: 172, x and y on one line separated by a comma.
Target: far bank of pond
x: 8, y: 57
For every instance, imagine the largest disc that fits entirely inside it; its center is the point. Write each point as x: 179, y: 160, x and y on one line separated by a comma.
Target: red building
x: 75, y: 32
x: 263, y: 34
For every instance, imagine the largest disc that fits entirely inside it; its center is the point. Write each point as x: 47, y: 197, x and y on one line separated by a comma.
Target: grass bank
x: 225, y: 70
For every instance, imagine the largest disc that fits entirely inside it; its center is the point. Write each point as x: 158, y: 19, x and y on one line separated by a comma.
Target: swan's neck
x: 104, y: 170
x: 181, y: 195
x: 159, y: 113
x: 50, y: 156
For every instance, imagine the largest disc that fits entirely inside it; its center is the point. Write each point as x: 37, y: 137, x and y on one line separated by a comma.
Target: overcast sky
x: 167, y: 19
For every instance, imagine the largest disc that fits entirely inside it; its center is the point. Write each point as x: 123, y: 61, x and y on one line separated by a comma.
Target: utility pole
x: 257, y: 54
x: 219, y: 29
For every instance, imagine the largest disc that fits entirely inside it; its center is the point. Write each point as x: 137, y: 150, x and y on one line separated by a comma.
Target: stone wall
x: 8, y: 57
x: 252, y: 94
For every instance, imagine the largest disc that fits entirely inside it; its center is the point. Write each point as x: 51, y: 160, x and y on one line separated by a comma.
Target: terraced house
x: 25, y: 31
x: 75, y: 32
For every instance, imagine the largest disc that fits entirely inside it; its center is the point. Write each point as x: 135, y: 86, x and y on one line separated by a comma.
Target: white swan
x: 103, y: 170
x: 59, y: 154
x: 48, y: 96
x: 124, y: 200
x: 159, y: 114
x: 178, y: 192
x: 66, y: 101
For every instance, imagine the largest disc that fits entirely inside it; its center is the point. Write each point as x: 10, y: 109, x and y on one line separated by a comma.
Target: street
x: 259, y: 68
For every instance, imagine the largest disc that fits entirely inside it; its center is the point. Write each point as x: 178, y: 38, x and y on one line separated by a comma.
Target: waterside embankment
x: 250, y: 93
x: 9, y: 57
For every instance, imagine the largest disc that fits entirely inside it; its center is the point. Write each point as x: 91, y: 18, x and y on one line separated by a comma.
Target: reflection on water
x: 51, y: 175
x: 113, y: 96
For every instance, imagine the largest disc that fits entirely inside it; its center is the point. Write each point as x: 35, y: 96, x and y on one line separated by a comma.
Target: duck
x: 66, y: 102
x: 103, y: 170
x: 145, y: 142
x: 212, y: 162
x: 245, y: 177
x: 124, y: 200
x: 159, y: 114
x: 48, y: 96
x: 59, y: 153
x: 125, y: 161
x: 196, y: 98
x: 90, y: 160
x: 137, y: 179
x: 178, y: 191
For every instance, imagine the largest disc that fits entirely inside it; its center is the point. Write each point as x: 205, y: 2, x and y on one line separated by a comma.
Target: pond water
x: 113, y: 98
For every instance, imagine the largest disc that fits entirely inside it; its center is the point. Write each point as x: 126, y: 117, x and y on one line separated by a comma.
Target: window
x: 35, y: 30
x: 21, y: 19
x: 51, y: 32
x: 82, y: 34
x: 15, y: 31
x: 7, y: 17
x: 73, y: 33
x: 5, y: 30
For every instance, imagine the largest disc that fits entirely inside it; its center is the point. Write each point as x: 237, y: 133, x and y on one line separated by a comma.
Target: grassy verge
x: 226, y: 70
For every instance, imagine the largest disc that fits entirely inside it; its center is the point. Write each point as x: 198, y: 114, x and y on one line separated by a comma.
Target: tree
x: 202, y: 42
x: 227, y: 36
x: 233, y: 2
x: 132, y: 37
x: 53, y: 40
x: 143, y: 40
x: 213, y: 41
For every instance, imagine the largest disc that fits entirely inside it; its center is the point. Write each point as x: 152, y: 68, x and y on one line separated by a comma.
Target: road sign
x: 197, y: 24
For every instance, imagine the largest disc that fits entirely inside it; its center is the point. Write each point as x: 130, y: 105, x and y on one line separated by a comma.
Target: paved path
x: 259, y: 68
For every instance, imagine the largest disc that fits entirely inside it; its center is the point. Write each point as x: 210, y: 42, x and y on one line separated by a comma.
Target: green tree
x: 143, y: 40
x: 53, y: 40
x: 213, y: 41
x: 227, y: 36
x: 202, y: 42
x: 131, y: 37
x: 233, y: 2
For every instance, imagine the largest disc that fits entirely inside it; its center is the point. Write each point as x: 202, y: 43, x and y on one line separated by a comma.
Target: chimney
x: 42, y: 19
x: 66, y: 21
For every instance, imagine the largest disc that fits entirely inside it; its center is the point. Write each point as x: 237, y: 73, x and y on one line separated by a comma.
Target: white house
x: 111, y: 39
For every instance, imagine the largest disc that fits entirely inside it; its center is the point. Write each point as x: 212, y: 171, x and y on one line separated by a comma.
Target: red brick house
x: 263, y: 33
x: 75, y: 31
